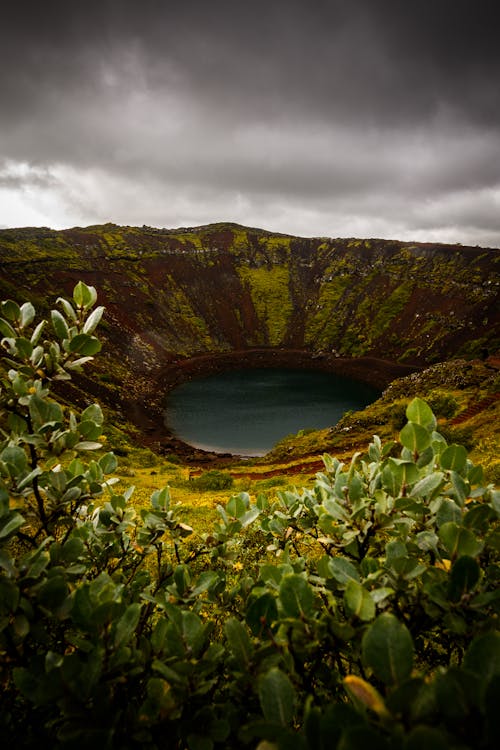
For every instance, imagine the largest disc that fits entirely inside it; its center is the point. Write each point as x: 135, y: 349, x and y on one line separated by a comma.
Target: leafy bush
x: 369, y: 616
x: 443, y: 404
x: 214, y: 479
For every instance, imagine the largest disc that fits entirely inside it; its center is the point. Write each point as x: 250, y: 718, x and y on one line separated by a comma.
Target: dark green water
x: 248, y: 411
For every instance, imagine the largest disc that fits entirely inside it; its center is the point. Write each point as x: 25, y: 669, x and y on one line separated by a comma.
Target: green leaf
x: 59, y: 324
x: 21, y: 626
x: 108, y: 463
x: 239, y: 642
x: 358, y: 601
x: 475, y: 475
x: 429, y: 486
x: 16, y: 460
x: 415, y: 437
x: 36, y: 357
x: 72, y: 549
x: 448, y: 511
x: 43, y: 412
x: 159, y: 634
x: 238, y: 505
x: 398, y: 473
x: 360, y: 737
x: 193, y: 632
x: 454, y: 458
x: 160, y: 499
x: 36, y: 335
x: 93, y: 320
x: 261, y: 613
x: 27, y: 314
x: 28, y: 479
x: 296, y: 596
x: 199, y: 742
x: 9, y: 596
x: 68, y: 308
x: 464, y: 575
x: 127, y: 624
x: 11, y: 310
x: 207, y: 580
x: 10, y: 524
x: 427, y: 540
x: 277, y: 697
x: 387, y: 649
x: 426, y: 737
x: 460, y: 488
x: 24, y: 347
x: 89, y: 430
x: 483, y: 656
x: 77, y: 364
x: 6, y: 329
x: 459, y: 541
x: 53, y: 594
x: 87, y: 445
x: 419, y: 411
x: 84, y: 344
x: 342, y: 570
x: 182, y: 578
x: 93, y: 413
x: 84, y: 296
x: 249, y: 517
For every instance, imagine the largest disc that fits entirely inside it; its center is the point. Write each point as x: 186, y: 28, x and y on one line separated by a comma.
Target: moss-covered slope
x: 225, y: 287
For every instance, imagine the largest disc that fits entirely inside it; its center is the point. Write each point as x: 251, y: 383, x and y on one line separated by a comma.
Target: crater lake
x: 246, y: 412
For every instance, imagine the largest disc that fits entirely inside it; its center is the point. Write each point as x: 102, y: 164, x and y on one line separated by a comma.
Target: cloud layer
x: 324, y: 118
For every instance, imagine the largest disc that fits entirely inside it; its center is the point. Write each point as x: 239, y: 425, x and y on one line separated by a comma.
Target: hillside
x: 187, y: 301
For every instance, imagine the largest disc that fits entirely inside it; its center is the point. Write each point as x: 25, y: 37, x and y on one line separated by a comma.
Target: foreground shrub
x: 368, y: 618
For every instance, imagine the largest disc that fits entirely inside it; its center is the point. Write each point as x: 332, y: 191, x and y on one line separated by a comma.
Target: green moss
x: 269, y: 290
x: 182, y: 317
x: 390, y: 309
x: 323, y: 327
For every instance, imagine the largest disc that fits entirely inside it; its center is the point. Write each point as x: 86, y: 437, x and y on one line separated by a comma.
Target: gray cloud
x: 325, y: 117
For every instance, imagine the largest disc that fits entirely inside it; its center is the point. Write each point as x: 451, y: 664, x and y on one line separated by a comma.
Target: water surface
x: 246, y: 412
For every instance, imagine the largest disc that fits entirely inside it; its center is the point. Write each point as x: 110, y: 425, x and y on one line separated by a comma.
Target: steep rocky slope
x: 175, y: 295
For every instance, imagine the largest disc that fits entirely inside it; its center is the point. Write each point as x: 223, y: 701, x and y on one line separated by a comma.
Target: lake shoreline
x: 146, y: 412
x: 247, y: 411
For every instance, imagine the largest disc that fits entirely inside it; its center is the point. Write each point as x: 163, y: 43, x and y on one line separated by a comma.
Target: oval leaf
x: 261, y: 613
x: 464, y: 575
x: 419, y: 411
x: 93, y: 320
x: 296, y: 596
x: 342, y: 570
x: 454, y: 458
x: 387, y: 648
x: 358, y: 601
x: 127, y: 624
x: 59, y: 324
x: 415, y: 437
x: 27, y: 314
x: 11, y: 310
x: 459, y: 541
x: 277, y: 697
x: 83, y: 295
x: 84, y: 345
x: 239, y: 641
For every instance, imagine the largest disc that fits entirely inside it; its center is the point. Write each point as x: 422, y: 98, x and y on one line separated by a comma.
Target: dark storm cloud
x: 205, y: 109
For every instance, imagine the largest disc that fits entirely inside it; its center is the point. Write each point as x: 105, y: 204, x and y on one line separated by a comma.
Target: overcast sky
x: 368, y: 118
